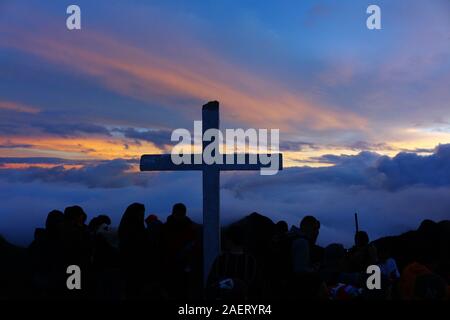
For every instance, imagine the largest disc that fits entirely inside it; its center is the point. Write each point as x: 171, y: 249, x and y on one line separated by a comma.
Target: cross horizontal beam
x: 241, y: 162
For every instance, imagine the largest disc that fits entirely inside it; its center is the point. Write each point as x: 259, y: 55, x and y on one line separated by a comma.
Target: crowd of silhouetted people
x: 145, y: 258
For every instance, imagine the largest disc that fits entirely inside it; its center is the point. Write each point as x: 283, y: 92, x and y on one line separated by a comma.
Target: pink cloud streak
x: 147, y: 76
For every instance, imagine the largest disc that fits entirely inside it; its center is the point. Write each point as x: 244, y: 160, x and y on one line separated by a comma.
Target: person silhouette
x: 105, y: 258
x: 53, y: 223
x: 154, y: 231
x: 234, y: 273
x: 279, y: 261
x: 306, y: 257
x: 181, y: 250
x: 76, y: 236
x: 303, y: 243
x: 100, y: 222
x: 132, y: 246
x: 77, y: 247
x: 281, y: 227
x: 45, y: 254
x: 362, y: 254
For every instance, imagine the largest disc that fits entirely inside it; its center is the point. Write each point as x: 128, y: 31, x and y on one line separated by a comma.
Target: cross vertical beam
x: 211, y: 194
x: 211, y: 181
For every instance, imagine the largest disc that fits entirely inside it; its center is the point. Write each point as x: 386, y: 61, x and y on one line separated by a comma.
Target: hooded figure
x: 132, y: 245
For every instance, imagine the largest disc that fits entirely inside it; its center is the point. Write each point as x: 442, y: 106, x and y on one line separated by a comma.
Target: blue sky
x: 114, y: 90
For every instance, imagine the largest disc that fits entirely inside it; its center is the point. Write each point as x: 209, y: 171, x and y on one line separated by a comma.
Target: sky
x: 364, y: 115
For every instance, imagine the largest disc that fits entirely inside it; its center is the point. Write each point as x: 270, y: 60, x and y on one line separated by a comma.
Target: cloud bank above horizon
x: 391, y: 195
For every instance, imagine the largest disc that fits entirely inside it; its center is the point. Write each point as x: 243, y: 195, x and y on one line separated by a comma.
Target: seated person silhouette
x: 362, y: 254
x: 233, y: 274
x: 331, y: 269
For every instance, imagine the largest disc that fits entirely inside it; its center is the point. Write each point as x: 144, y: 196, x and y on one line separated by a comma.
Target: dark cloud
x: 419, y: 150
x: 296, y: 145
x: 37, y: 160
x: 159, y: 137
x: 74, y: 129
x: 96, y: 174
x: 50, y: 123
x: 364, y: 145
x: 407, y: 169
x: 365, y: 158
x: 59, y: 125
x: 371, y: 170
x: 9, y: 145
x: 7, y: 128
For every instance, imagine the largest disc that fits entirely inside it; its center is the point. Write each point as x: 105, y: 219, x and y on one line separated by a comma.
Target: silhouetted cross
x: 211, y: 183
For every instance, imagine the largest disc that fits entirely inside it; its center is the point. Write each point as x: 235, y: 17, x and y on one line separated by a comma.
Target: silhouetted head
x: 132, y: 221
x: 54, y: 220
x: 361, y: 239
x: 179, y: 210
x: 333, y: 255
x: 234, y: 236
x: 310, y: 227
x: 96, y: 222
x: 75, y: 215
x: 152, y: 219
x: 332, y: 263
x: 281, y: 227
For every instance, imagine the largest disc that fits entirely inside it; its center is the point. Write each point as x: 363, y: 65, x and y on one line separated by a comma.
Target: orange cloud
x: 17, y: 107
x: 79, y: 148
x: 38, y: 165
x: 142, y: 74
